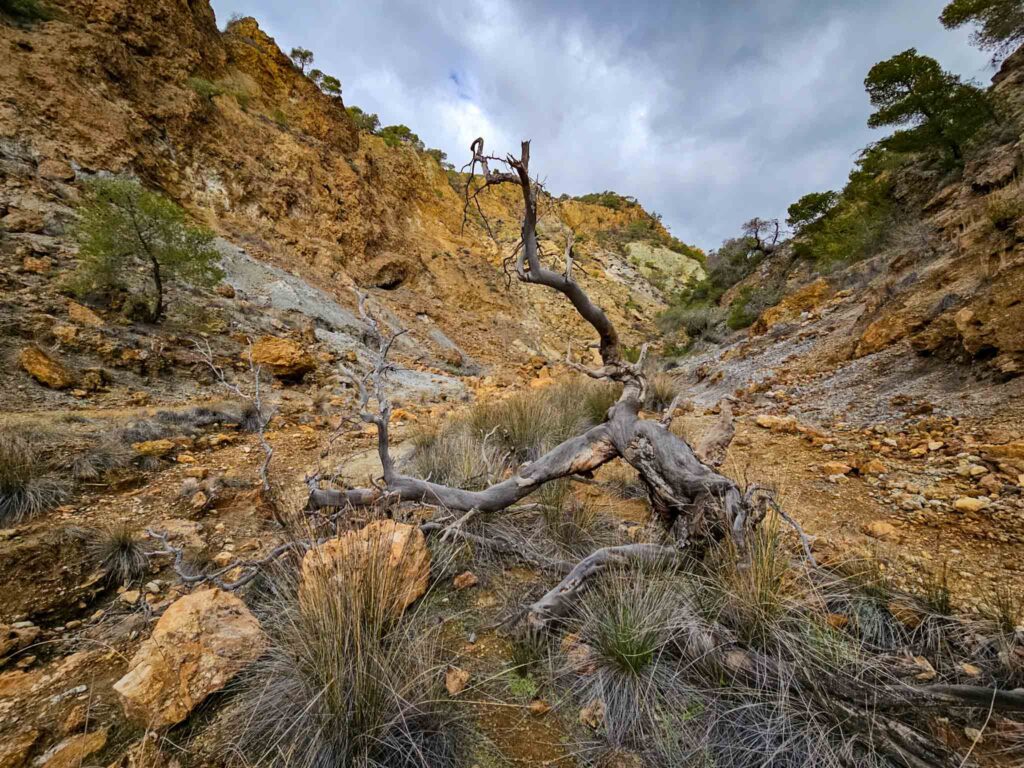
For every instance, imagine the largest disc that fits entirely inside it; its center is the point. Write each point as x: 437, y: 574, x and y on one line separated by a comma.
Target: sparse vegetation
x: 28, y: 487
x: 121, y: 225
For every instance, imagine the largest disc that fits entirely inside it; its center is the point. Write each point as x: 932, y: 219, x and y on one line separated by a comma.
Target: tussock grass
x: 28, y: 487
x: 345, y: 681
x: 656, y: 655
x: 117, y: 550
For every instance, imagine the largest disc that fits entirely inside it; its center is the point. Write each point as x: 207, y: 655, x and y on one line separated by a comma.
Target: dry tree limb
x: 251, y: 568
x: 691, y: 500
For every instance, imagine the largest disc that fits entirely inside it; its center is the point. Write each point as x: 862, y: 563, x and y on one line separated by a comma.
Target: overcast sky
x: 709, y: 111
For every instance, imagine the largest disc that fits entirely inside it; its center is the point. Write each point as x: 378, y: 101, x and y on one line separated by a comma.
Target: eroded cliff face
x: 225, y: 124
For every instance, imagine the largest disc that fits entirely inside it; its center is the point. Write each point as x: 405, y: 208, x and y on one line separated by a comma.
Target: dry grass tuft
x: 27, y: 485
x: 117, y: 550
x: 345, y: 682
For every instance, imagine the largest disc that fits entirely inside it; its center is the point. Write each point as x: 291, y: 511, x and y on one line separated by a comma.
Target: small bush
x: 26, y: 10
x: 662, y: 390
x: 698, y: 322
x: 205, y: 88
x: 750, y: 303
x: 458, y: 456
x: 27, y: 486
x: 344, y: 682
x: 1003, y: 212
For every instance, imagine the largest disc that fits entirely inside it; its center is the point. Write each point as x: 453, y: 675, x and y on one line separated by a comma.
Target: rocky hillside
x: 225, y: 124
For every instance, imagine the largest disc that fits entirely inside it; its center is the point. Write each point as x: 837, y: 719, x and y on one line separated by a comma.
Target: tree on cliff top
x: 1000, y: 23
x: 913, y: 90
x: 302, y: 57
x: 123, y: 225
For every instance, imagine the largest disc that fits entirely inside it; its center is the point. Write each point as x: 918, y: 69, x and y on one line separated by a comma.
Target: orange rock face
x: 282, y: 357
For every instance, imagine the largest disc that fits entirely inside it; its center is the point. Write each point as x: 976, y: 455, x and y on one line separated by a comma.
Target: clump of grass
x: 117, y: 550
x: 107, y: 455
x: 27, y: 486
x: 623, y: 644
x: 575, y: 526
x: 345, y: 681
x: 530, y: 423
x: 456, y: 455
x: 662, y: 390
x: 751, y: 595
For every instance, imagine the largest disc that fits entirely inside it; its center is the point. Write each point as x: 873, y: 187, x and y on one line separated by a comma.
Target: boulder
x: 836, y: 468
x: 465, y: 580
x: 45, y: 369
x: 398, y: 548
x: 82, y: 315
x: 776, y: 423
x: 202, y: 641
x: 14, y: 750
x: 1009, y: 457
x: 284, y: 358
x: 15, y: 637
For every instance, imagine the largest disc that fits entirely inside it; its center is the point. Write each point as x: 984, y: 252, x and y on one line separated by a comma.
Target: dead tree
x: 693, y: 503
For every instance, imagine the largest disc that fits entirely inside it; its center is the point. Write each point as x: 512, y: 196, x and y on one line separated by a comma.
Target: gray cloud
x: 708, y: 111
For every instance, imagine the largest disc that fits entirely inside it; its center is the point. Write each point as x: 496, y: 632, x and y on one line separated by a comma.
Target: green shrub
x: 396, y: 135
x: 749, y: 305
x: 1003, y: 212
x: 699, y: 322
x: 364, y: 121
x: 26, y: 10
x: 123, y: 226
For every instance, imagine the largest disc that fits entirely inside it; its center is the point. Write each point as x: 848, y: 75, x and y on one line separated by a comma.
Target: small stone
x: 880, y: 529
x: 977, y: 470
x: 223, y: 558
x: 969, y: 504
x: 226, y: 290
x: 465, y: 580
x: 970, y: 670
x: 38, y: 265
x: 71, y: 752
x: 55, y: 170
x: 592, y: 715
x: 199, y: 501
x: 873, y: 467
x: 539, y: 707
x: 936, y: 445
x: 927, y: 671
x: 82, y: 315
x: 131, y: 596
x: 973, y: 734
x: 832, y: 468
x: 185, y: 458
x: 455, y: 680
x: 153, y: 587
